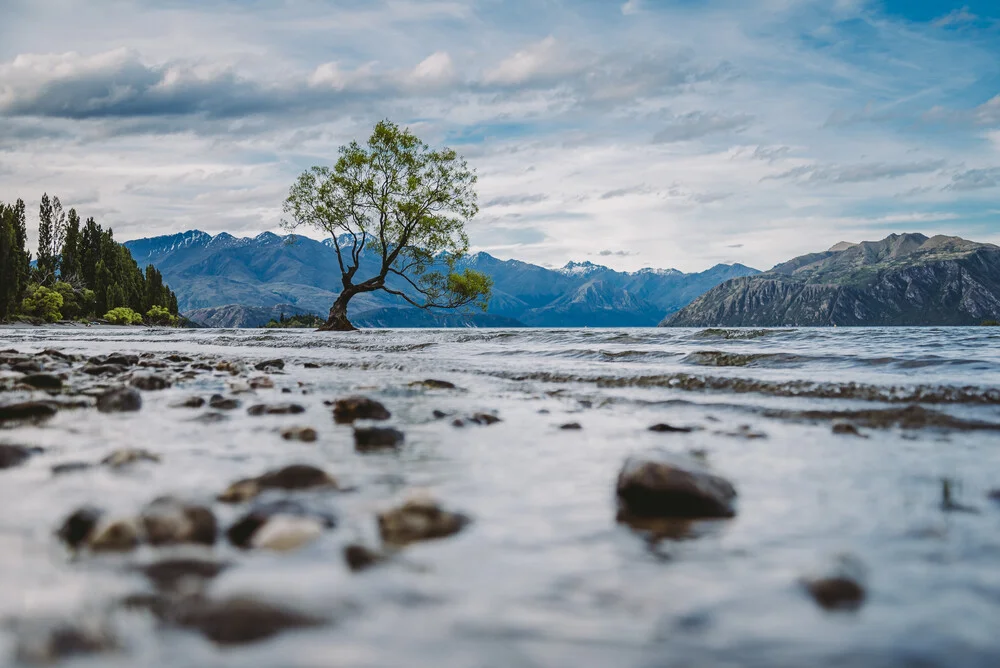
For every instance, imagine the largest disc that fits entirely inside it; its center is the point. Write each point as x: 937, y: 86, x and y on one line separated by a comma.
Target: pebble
x: 45, y: 643
x: 359, y: 557
x: 667, y: 428
x: 377, y: 438
x: 242, y: 532
x: 43, y: 381
x: 276, y: 409
x: 261, y: 383
x: 15, y: 455
x: 78, y: 527
x: 238, y: 620
x: 127, y: 456
x: 103, y: 370
x: 571, y: 426
x: 836, y: 593
x: 270, y: 364
x: 28, y: 410
x: 296, y: 476
x: 118, y: 359
x: 221, y: 403
x: 70, y: 467
x: 349, y: 409
x: 433, y: 384
x: 117, y: 536
x: 847, y: 429
x: 659, y: 485
x: 150, y: 382
x: 304, y: 434
x: 170, y: 573
x: 170, y: 521
x: 28, y: 366
x: 284, y: 533
x: 191, y: 402
x: 119, y: 400
x: 420, y: 518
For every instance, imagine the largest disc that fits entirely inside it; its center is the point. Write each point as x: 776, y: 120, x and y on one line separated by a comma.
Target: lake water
x: 544, y: 575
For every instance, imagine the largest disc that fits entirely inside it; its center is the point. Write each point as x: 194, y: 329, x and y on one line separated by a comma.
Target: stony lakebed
x: 630, y: 497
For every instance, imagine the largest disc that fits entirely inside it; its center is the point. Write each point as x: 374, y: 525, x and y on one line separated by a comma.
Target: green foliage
x: 990, y: 323
x: 159, y: 315
x: 305, y: 321
x: 123, y: 316
x: 399, y: 199
x: 41, y: 302
x: 15, y: 261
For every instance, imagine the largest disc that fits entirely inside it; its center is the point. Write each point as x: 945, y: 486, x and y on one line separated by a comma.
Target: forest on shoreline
x: 80, y: 272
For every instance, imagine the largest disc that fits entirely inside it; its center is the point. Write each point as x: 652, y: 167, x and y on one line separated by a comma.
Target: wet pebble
x: 150, y: 382
x: 119, y: 400
x: 238, y: 620
x: 571, y: 426
x: 261, y: 383
x: 43, y: 381
x: 71, y: 467
x: 168, y: 574
x: 28, y: 366
x: 28, y: 410
x: 45, y: 643
x: 121, y: 535
x: 219, y: 402
x: 284, y: 533
x: 126, y: 456
x: 304, y: 434
x: 349, y: 409
x: 191, y: 402
x: 294, y: 477
x: 420, y: 518
x: 432, y: 384
x: 836, y: 593
x: 103, y: 370
x: 660, y: 485
x: 243, y: 532
x: 169, y: 521
x: 276, y: 409
x: 663, y: 427
x: 15, y: 455
x: 359, y: 557
x: 270, y: 364
x: 846, y: 429
x: 78, y: 527
x: 377, y: 438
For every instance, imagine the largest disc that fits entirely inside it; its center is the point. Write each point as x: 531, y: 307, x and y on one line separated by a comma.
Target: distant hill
x: 270, y: 271
x: 904, y: 279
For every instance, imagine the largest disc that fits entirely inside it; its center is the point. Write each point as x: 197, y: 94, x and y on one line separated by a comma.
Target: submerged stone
x: 571, y: 426
x: 659, y: 485
x: 28, y: 410
x: 78, y: 527
x: 15, y: 455
x: 432, y: 384
x: 219, y: 402
x: 420, y: 518
x: 304, y: 434
x: 276, y: 409
x: 663, y: 427
x: 270, y: 364
x: 294, y: 477
x: 117, y: 536
x: 150, y: 382
x: 836, y: 593
x: 169, y: 573
x: 359, y: 557
x: 127, y: 456
x: 238, y: 620
x: 43, y: 381
x: 377, y: 438
x: 45, y: 643
x: 354, y: 408
x: 191, y: 402
x: 284, y: 533
x: 119, y: 400
x: 169, y: 521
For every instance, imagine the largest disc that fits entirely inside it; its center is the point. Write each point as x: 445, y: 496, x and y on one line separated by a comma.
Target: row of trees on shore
x: 80, y: 272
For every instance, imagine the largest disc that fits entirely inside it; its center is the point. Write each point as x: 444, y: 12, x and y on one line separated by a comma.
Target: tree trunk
x: 338, y: 322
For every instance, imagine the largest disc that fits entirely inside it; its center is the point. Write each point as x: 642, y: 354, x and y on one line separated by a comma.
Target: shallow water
x: 545, y: 576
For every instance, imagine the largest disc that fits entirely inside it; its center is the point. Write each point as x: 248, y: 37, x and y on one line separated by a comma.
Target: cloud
x: 625, y: 192
x: 435, y: 69
x: 631, y: 7
x: 976, y: 179
x: 955, y: 18
x: 699, y: 124
x: 856, y: 173
x: 618, y: 253
x: 515, y: 200
x: 540, y: 60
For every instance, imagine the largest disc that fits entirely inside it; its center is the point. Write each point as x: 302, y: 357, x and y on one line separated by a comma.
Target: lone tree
x: 400, y: 209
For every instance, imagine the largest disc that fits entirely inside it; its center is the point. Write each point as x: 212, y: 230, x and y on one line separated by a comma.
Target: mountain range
x: 904, y: 279
x: 226, y: 281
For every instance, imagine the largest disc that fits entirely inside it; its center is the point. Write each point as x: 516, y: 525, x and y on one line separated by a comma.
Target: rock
x: 261, y: 383
x: 304, y: 434
x: 169, y: 521
x: 420, y: 518
x: 270, y: 364
x: 438, y: 414
x: 71, y: 467
x: 44, y: 643
x: 103, y: 370
x: 836, y: 593
x: 847, y: 429
x: 232, y: 368
x: 284, y: 533
x: 432, y: 384
x: 78, y: 527
x: 457, y: 423
x: 219, y: 402
x: 179, y: 358
x: 294, y: 477
x: 242, y: 533
x: 119, y: 400
x: 149, y: 382
x: 27, y: 366
x: 57, y: 354
x: 359, y: 557
x: 484, y: 418
x: 28, y: 410
x: 127, y: 456
x: 658, y: 485
x: 571, y: 426
x: 346, y: 411
x: 191, y: 402
x: 118, y: 536
x: 168, y: 574
x: 276, y: 409
x: 238, y: 620
x: 43, y: 381
x: 667, y: 428
x: 15, y: 455
x: 118, y: 359
x: 210, y: 418
x: 311, y: 365
x: 153, y: 364
x: 376, y: 438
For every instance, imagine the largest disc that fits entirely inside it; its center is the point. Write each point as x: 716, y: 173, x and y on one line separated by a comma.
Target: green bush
x: 123, y: 316
x: 990, y: 323
x: 158, y: 315
x: 41, y: 302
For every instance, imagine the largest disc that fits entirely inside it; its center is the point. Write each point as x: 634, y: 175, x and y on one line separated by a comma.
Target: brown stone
x: 658, y: 485
x: 350, y: 409
x: 420, y: 518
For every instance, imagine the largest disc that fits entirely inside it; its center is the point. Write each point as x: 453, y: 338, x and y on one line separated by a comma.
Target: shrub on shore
x: 41, y: 302
x: 123, y: 316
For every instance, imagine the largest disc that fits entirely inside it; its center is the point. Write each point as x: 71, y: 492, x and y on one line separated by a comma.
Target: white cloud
x: 436, y: 68
x: 631, y: 7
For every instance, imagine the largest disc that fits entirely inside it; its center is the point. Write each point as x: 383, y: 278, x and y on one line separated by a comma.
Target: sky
x: 638, y: 133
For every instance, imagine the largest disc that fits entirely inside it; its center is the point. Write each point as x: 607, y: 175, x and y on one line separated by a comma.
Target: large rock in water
x: 904, y: 279
x: 662, y: 486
